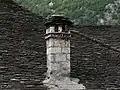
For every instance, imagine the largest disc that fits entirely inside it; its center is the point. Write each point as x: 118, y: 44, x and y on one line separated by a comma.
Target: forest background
x: 83, y: 12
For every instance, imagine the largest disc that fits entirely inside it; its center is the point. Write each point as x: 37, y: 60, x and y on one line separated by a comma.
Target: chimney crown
x: 57, y: 26
x: 58, y: 20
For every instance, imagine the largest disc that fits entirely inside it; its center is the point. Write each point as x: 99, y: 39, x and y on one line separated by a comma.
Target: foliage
x: 83, y: 12
x: 111, y: 14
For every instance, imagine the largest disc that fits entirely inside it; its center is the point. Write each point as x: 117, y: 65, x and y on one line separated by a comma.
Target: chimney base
x: 66, y: 84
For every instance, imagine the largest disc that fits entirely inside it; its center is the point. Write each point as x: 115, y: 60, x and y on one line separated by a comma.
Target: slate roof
x: 22, y: 48
x: 95, y: 56
x: 23, y: 52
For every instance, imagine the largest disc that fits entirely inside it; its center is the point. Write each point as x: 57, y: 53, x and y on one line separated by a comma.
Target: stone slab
x: 54, y: 50
x: 67, y: 87
x: 65, y: 84
x: 57, y: 43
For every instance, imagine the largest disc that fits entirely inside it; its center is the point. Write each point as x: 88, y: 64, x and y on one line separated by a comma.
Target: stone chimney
x: 58, y: 54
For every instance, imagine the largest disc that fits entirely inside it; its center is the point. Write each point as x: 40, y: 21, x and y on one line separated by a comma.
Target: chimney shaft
x: 58, y: 58
x: 58, y: 53
x: 58, y: 49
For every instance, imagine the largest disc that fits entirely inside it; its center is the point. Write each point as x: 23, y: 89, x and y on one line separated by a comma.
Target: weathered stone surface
x: 57, y: 59
x: 58, y: 62
x: 47, y: 30
x: 60, y: 57
x: 53, y: 58
x: 52, y: 29
x: 54, y: 50
x: 68, y: 56
x: 58, y: 50
x: 64, y: 84
x: 65, y: 50
x: 57, y: 43
x: 50, y: 43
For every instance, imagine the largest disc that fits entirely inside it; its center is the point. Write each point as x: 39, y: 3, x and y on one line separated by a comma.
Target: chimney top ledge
x: 58, y: 19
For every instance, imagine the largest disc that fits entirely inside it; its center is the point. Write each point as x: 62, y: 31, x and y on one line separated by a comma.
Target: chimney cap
x: 58, y: 19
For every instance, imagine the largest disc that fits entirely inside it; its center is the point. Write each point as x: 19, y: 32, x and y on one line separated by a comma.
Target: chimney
x: 58, y: 54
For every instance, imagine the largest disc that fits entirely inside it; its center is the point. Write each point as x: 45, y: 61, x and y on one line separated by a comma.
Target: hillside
x: 84, y: 12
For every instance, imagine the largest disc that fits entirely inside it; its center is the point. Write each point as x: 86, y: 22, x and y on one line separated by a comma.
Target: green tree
x: 83, y: 12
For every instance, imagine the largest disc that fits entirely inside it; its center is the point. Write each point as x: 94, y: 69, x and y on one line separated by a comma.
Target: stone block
x: 49, y: 64
x: 71, y: 87
x: 60, y: 57
x: 68, y: 56
x: 65, y: 84
x: 65, y: 50
x: 53, y: 50
x: 55, y: 66
x: 47, y: 30
x: 58, y: 69
x: 50, y: 43
x: 51, y: 57
x: 61, y: 43
x: 58, y: 66
x: 52, y: 29
x: 67, y: 43
x: 64, y: 65
x: 57, y: 43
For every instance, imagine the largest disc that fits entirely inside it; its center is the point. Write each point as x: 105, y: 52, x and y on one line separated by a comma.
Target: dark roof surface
x: 23, y: 58
x: 22, y: 49
x: 96, y: 65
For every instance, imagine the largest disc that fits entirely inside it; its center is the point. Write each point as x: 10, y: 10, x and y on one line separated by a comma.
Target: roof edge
x: 108, y: 26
